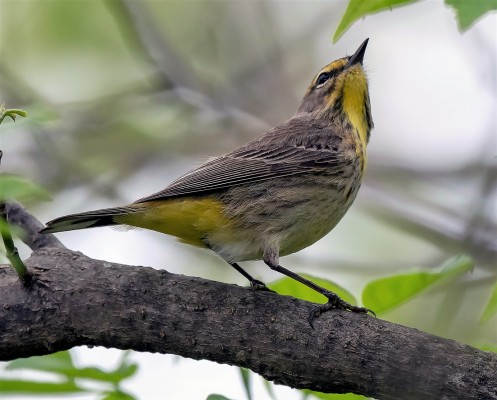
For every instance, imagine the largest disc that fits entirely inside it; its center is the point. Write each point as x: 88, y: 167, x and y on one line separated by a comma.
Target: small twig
x: 10, y: 249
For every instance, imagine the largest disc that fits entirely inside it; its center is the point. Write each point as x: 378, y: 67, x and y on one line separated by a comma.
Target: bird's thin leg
x: 334, y: 301
x: 254, y: 283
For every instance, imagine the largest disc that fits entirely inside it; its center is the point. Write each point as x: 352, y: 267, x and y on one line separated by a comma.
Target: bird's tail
x: 90, y: 219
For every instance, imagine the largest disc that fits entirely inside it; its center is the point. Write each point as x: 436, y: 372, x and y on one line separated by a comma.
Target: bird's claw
x: 260, y: 286
x: 335, y: 302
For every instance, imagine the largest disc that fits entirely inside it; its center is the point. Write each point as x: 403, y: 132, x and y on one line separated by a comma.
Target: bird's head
x: 339, y: 92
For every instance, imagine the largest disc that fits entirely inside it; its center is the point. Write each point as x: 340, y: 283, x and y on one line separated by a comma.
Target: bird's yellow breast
x: 354, y: 105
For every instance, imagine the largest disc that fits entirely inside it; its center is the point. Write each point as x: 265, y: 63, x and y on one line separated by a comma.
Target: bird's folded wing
x: 257, y: 161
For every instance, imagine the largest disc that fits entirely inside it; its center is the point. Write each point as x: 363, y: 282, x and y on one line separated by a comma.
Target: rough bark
x: 74, y: 300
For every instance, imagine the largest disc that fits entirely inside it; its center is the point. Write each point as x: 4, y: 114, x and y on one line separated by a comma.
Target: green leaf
x: 455, y: 266
x: 61, y: 363
x: 490, y: 347
x: 97, y: 374
x: 386, y: 293
x: 269, y: 389
x: 360, y: 8
x: 12, y: 386
x: 246, y: 379
x: 216, y: 397
x: 290, y: 287
x: 5, y: 228
x: 16, y: 187
x: 118, y: 395
x: 469, y: 11
x: 491, y: 307
x: 332, y: 396
x: 11, y: 112
x: 55, y: 362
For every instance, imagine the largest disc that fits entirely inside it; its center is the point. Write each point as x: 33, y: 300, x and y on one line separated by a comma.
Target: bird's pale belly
x: 285, y: 216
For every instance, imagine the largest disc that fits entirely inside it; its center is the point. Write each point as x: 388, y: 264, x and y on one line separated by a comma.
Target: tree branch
x: 75, y: 300
x: 17, y: 215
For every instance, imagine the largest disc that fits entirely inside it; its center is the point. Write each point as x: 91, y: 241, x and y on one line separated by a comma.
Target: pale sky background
x: 433, y: 94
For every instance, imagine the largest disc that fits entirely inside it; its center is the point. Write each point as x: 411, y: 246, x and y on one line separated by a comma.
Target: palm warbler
x: 273, y: 196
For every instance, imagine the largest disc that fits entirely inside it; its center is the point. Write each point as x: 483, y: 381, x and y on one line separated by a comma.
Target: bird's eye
x: 323, y: 78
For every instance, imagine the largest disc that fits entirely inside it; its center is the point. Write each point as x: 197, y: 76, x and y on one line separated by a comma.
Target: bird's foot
x: 260, y: 286
x: 336, y: 303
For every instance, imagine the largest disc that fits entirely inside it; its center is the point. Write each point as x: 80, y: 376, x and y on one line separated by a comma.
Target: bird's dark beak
x: 358, y: 56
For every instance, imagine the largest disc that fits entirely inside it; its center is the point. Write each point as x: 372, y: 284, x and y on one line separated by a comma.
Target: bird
x: 273, y: 196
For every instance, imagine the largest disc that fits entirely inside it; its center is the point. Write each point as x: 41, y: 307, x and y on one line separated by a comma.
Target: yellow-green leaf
x: 490, y: 347
x: 15, y: 386
x: 386, y: 293
x: 12, y: 113
x: 61, y: 363
x: 118, y: 395
x: 246, y: 375
x: 333, y: 396
x: 290, y: 287
x: 55, y: 362
x: 14, y: 230
x: 21, y: 189
x: 491, y: 307
x: 217, y: 397
x: 360, y: 8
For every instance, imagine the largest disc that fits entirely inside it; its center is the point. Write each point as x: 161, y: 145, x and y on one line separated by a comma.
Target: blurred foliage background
x: 124, y: 96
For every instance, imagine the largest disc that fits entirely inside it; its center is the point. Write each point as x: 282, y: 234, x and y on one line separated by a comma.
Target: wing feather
x: 299, y: 146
